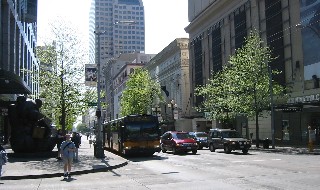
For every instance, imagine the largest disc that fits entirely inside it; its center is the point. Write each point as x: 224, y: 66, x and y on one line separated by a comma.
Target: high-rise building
x: 115, y: 27
x: 122, y: 24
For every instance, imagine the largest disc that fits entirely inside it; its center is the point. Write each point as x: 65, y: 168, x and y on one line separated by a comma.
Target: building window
x: 240, y: 27
x: 216, y: 50
x: 198, y: 73
x: 274, y: 31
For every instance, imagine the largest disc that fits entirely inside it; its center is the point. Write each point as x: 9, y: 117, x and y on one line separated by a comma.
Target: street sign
x: 92, y: 103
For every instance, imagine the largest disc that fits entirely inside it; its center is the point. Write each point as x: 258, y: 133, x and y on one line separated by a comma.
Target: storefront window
x: 285, y: 130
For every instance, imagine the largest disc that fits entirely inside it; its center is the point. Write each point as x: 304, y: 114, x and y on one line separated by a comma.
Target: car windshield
x: 182, y: 136
x: 149, y: 130
x: 201, y: 134
x: 231, y: 134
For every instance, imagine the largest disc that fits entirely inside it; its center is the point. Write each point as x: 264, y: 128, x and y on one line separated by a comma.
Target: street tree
x: 62, y: 86
x: 83, y: 128
x: 140, y: 93
x: 243, y: 86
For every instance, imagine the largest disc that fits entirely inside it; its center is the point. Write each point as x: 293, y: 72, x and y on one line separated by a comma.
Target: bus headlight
x: 127, y: 147
x: 156, y: 146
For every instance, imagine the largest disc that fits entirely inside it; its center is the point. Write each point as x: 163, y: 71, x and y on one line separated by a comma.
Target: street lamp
x: 300, y: 26
x: 172, y: 105
x: 157, y: 111
x: 98, y: 148
x: 271, y: 106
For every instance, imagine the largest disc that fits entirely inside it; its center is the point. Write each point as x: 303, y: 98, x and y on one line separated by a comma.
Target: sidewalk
x: 288, y: 149
x: 45, y: 165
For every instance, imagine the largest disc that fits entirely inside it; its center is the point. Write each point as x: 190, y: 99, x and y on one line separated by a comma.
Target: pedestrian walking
x: 59, y: 140
x: 3, y: 159
x: 76, y: 139
x: 67, y: 151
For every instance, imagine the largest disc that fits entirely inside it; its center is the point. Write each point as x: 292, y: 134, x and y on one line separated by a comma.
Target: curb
x: 287, y: 151
x: 103, y: 169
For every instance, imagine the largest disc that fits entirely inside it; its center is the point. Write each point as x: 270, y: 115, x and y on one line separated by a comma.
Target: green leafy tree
x: 62, y: 88
x: 140, y: 93
x: 83, y: 128
x: 243, y: 86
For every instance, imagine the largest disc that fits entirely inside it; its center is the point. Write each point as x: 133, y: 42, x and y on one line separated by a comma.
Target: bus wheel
x: 163, y: 150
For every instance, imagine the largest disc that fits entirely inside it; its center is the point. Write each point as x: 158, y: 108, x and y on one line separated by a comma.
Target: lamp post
x: 300, y: 26
x: 63, y: 101
x: 172, y: 105
x: 157, y: 111
x: 271, y: 106
x: 98, y: 148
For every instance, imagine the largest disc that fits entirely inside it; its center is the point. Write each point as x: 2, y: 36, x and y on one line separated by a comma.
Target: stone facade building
x: 170, y: 68
x: 291, y: 29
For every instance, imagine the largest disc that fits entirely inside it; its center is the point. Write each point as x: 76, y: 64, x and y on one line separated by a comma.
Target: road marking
x: 178, y: 165
x: 276, y: 159
x: 237, y: 161
x: 258, y: 160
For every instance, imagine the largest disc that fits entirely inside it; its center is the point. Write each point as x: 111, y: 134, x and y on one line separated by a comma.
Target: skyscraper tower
x: 119, y: 26
x: 123, y: 24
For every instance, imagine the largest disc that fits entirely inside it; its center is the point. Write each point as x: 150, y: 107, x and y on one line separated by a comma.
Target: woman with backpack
x: 67, y: 149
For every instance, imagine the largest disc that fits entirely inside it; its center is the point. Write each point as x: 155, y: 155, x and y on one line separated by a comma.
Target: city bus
x: 132, y: 134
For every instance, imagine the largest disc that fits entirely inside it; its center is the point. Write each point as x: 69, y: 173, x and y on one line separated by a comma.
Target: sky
x: 165, y: 20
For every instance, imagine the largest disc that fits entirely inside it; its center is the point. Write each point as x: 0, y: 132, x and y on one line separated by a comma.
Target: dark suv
x: 177, y: 141
x: 201, y: 138
x: 227, y: 139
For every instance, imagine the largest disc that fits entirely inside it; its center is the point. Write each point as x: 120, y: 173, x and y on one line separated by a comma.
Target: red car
x: 177, y: 141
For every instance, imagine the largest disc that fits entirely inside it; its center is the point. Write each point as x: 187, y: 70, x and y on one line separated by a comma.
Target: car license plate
x: 188, y: 147
x: 241, y: 146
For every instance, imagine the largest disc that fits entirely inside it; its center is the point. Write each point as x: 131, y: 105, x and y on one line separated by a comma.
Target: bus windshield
x: 141, y: 131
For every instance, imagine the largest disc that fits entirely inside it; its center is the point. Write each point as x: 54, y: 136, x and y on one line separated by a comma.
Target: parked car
x: 227, y: 139
x: 177, y: 141
x: 201, y: 138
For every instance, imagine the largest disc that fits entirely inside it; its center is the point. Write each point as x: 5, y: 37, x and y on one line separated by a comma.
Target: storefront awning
x: 11, y: 83
x: 289, y: 108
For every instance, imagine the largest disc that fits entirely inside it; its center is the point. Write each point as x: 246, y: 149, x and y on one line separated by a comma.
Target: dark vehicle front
x: 142, y: 138
x: 234, y: 141
x: 201, y: 138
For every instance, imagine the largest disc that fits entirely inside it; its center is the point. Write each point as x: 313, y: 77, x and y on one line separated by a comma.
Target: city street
x: 205, y: 170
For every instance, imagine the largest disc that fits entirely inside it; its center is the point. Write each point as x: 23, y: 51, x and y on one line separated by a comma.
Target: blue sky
x: 165, y: 20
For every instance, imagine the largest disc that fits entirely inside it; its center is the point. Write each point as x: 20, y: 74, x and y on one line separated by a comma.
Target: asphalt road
x: 205, y: 170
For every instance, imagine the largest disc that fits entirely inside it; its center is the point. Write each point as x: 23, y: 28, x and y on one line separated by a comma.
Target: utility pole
x: 63, y: 101
x: 98, y: 148
x: 271, y: 105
